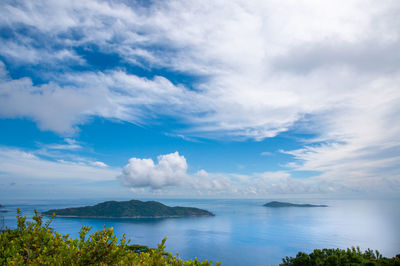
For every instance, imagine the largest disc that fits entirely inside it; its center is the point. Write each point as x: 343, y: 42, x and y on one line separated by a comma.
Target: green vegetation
x: 338, y: 257
x: 129, y: 209
x: 35, y: 243
x: 278, y: 204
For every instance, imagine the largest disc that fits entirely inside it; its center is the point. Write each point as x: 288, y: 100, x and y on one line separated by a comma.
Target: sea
x: 243, y: 231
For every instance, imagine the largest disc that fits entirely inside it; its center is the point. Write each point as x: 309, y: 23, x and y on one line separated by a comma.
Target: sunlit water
x: 243, y: 232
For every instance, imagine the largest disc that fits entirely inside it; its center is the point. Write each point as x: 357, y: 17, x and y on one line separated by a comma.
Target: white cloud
x: 71, y: 144
x: 51, y: 106
x: 111, y: 95
x: 267, y: 64
x: 204, y: 182
x: 99, y: 164
x: 251, y: 53
x: 170, y: 170
x: 16, y: 163
x: 266, y: 67
x: 24, y: 53
x: 169, y: 177
x: 202, y: 173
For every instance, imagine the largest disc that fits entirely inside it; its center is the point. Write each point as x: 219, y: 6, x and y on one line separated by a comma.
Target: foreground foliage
x: 335, y: 257
x: 36, y: 243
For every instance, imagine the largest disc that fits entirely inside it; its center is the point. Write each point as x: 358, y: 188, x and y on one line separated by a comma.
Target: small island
x: 129, y: 209
x: 2, y: 211
x: 278, y: 204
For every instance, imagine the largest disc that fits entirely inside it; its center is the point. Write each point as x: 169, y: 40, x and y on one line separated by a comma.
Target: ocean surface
x: 243, y: 232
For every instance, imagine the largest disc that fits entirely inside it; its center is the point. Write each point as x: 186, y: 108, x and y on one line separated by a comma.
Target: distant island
x: 2, y: 211
x: 278, y: 204
x: 129, y: 209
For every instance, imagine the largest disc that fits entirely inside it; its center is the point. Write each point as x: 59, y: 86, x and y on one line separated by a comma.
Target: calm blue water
x: 243, y: 232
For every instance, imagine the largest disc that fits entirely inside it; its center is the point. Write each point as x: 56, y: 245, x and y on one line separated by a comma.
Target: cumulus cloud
x: 170, y: 170
x: 204, y: 182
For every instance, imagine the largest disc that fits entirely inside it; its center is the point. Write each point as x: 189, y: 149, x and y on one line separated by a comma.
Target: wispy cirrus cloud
x: 70, y: 144
x: 259, y: 79
x: 24, y: 165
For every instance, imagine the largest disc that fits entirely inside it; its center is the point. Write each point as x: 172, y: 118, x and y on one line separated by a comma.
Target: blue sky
x: 199, y: 99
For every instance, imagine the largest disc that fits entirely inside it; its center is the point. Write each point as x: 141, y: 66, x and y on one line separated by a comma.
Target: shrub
x: 36, y: 243
x: 335, y: 257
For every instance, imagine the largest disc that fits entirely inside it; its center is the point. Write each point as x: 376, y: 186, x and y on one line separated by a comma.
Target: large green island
x: 278, y: 204
x: 128, y: 209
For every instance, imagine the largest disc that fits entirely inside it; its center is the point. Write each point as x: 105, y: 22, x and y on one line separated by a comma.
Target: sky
x: 199, y: 99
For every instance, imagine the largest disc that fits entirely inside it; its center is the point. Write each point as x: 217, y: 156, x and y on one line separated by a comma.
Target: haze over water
x: 243, y: 232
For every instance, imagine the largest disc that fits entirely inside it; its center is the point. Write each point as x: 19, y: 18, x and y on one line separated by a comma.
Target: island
x: 278, y: 204
x: 2, y: 211
x: 128, y: 209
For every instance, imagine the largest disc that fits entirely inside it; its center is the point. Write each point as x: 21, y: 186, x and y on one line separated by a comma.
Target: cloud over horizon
x: 170, y: 177
x: 170, y: 170
x: 170, y: 173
